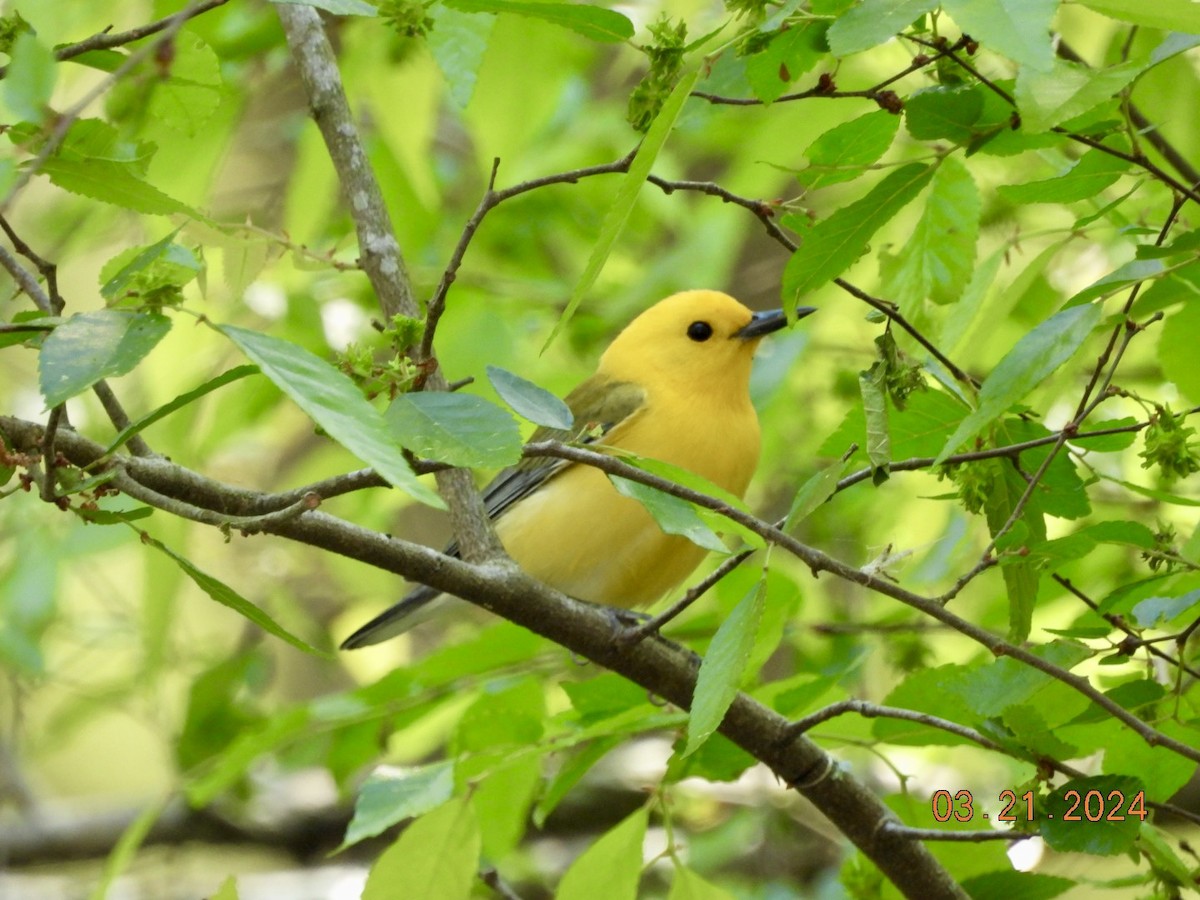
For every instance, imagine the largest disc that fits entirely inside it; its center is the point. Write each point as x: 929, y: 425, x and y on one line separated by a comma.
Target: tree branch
x: 872, y: 710
x: 380, y: 252
x: 658, y: 665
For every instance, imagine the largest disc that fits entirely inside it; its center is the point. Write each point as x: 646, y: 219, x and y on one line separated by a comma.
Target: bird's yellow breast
x: 579, y: 535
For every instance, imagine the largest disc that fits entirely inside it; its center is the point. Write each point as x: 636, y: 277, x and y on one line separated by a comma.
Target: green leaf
x: 1130, y: 534
x: 626, y: 195
x: 1172, y: 45
x: 1185, y: 245
x: 938, y: 259
x: 458, y: 42
x: 717, y: 759
x: 673, y: 514
x: 794, y: 50
x: 1108, y: 443
x: 950, y: 113
x: 333, y: 401
x: 337, y: 7
x: 389, y: 796
x: 227, y: 891
x: 1020, y: 575
x: 991, y: 689
x: 113, y: 516
x: 1155, y: 610
x: 920, y: 429
x: 1163, y: 496
x: 230, y: 767
x: 1007, y: 884
x: 872, y: 22
x: 593, y: 22
x: 1023, y: 368
x: 1061, y: 492
x: 187, y: 100
x: 506, y: 718
x: 1162, y: 856
x: 929, y: 691
x: 1094, y: 171
x: 1115, y: 281
x: 687, y: 885
x: 1080, y: 835
x: 1177, y: 349
x: 816, y: 490
x: 164, y: 249
x: 847, y: 150
x: 1169, y: 15
x: 227, y: 596
x: 140, y: 425
x: 570, y: 773
x: 1161, y: 770
x: 723, y: 667
x: 872, y: 387
x: 459, y: 429
x: 685, y: 478
x: 113, y: 183
x: 1019, y: 29
x: 833, y: 244
x: 217, y: 710
x: 95, y: 345
x: 611, y: 867
x: 1031, y: 731
x: 101, y: 60
x: 122, y: 855
x: 503, y: 799
x: 603, y: 696
x: 436, y: 858
x: 94, y: 139
x: 29, y: 81
x: 529, y: 400
x: 1079, y: 544
x: 1049, y: 98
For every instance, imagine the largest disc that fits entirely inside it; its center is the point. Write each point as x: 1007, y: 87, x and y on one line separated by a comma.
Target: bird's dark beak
x: 769, y: 320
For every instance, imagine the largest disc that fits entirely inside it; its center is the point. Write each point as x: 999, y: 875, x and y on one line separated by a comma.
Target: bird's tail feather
x: 415, y: 608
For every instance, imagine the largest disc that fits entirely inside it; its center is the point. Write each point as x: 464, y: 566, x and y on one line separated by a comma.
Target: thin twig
x: 52, y: 304
x: 960, y: 837
x: 893, y: 313
x: 106, y: 40
x: 1143, y: 125
x: 1133, y: 159
x: 26, y: 282
x: 825, y: 87
x: 1010, y: 451
x: 490, y: 200
x: 46, y: 269
x: 654, y: 625
x: 119, y: 418
x: 1121, y: 625
x: 382, y: 260
x: 128, y: 484
x: 50, y: 454
x: 873, y: 711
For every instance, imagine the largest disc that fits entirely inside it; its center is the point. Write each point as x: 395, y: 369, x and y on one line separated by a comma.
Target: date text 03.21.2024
x: 1091, y: 806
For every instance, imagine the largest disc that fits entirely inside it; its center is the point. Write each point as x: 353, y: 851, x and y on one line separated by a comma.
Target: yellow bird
x: 673, y: 386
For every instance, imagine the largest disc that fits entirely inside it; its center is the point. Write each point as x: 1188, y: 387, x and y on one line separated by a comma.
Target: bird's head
x: 694, y: 340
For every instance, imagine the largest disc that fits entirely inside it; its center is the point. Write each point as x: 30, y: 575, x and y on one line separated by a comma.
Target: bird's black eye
x: 699, y: 331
